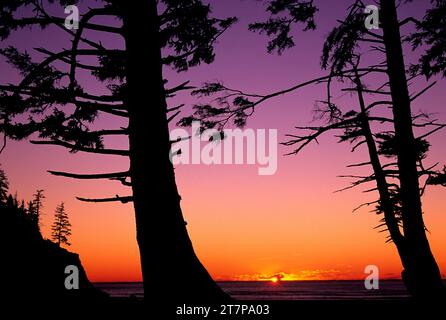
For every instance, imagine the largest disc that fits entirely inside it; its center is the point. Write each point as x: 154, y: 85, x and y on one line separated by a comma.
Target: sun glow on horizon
x: 301, y: 275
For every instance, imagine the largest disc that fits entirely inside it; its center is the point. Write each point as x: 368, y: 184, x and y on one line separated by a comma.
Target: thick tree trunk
x: 421, y: 274
x: 171, y: 271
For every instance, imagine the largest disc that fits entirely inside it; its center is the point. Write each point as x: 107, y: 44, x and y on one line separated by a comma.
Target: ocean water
x: 286, y: 290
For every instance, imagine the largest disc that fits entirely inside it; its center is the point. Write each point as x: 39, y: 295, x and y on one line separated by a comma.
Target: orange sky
x: 244, y: 227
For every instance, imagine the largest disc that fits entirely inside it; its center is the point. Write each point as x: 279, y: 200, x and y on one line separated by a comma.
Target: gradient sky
x: 243, y: 226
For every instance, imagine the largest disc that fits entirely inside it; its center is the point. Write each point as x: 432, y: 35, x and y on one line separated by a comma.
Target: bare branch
x: 115, y: 110
x: 101, y: 200
x: 173, y: 116
x: 90, y: 176
x: 410, y: 19
x: 181, y: 87
x: 74, y: 147
x: 423, y: 91
x: 176, y: 108
x: 365, y: 205
x: 359, y: 164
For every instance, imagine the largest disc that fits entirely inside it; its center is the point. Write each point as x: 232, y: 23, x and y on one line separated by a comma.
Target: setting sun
x: 277, y: 278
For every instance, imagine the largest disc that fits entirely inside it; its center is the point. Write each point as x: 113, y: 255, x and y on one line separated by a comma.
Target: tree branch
x: 90, y: 176
x: 101, y: 200
x: 73, y: 147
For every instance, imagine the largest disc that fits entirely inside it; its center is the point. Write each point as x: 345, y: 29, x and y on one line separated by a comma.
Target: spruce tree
x: 4, y: 186
x: 141, y: 38
x: 396, y: 155
x: 61, y: 228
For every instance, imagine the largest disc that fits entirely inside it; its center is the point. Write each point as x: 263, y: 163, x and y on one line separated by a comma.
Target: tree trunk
x: 381, y: 182
x: 171, y: 270
x: 421, y: 275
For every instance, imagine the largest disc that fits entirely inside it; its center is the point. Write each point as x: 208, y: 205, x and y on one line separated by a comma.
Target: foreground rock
x: 33, y: 269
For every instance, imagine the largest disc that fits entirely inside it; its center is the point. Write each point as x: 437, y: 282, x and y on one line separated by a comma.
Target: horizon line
x: 308, y: 280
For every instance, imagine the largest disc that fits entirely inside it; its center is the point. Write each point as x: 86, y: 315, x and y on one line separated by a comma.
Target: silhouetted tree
x: 430, y: 33
x: 23, y: 249
x: 148, y: 36
x: 421, y: 272
x: 11, y: 202
x: 4, y: 186
x: 35, y: 207
x: 395, y: 155
x: 283, y: 14
x: 61, y: 228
